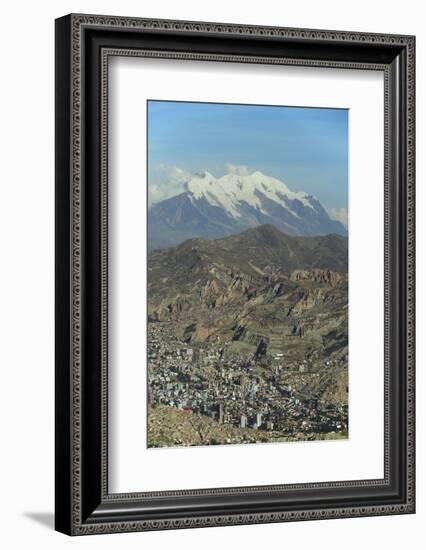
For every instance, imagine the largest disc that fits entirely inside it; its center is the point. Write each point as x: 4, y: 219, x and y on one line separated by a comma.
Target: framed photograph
x: 234, y: 274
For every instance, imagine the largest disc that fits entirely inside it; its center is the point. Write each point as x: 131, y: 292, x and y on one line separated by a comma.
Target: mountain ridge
x: 219, y: 207
x: 291, y: 252
x: 259, y: 256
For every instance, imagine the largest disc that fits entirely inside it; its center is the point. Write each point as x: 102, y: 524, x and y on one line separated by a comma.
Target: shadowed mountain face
x: 218, y: 207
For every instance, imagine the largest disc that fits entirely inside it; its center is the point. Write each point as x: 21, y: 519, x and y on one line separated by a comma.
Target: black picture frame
x: 83, y: 45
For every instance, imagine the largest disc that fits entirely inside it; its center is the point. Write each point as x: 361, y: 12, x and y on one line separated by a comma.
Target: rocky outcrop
x: 326, y: 276
x: 306, y: 300
x: 261, y: 348
x: 299, y: 329
x: 196, y: 333
x: 242, y: 333
x: 171, y: 310
x: 209, y: 293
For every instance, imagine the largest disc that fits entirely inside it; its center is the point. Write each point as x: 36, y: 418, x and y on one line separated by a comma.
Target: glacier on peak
x: 230, y: 190
x: 214, y: 207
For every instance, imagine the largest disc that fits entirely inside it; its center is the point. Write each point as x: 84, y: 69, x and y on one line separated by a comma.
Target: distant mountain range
x: 214, y: 208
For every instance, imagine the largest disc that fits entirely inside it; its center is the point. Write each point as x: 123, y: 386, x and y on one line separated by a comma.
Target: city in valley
x: 247, y: 340
x: 242, y: 394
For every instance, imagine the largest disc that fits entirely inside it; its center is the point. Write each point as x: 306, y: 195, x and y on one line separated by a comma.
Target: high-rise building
x: 258, y: 420
x: 221, y: 412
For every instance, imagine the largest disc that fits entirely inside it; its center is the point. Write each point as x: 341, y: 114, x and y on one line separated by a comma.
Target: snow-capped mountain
x: 217, y: 207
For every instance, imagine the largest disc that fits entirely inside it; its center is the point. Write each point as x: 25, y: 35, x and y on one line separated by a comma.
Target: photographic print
x: 247, y: 274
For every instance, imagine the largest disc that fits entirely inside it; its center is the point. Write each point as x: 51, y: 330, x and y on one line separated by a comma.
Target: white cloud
x: 165, y: 182
x: 340, y: 215
x: 238, y: 169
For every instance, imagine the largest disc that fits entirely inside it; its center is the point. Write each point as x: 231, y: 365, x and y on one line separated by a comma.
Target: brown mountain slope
x: 241, y: 263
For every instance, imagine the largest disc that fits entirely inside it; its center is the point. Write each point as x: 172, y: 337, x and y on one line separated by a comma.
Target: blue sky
x: 307, y: 148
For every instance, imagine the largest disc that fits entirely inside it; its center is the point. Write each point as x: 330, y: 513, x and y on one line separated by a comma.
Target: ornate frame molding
x: 71, y: 31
